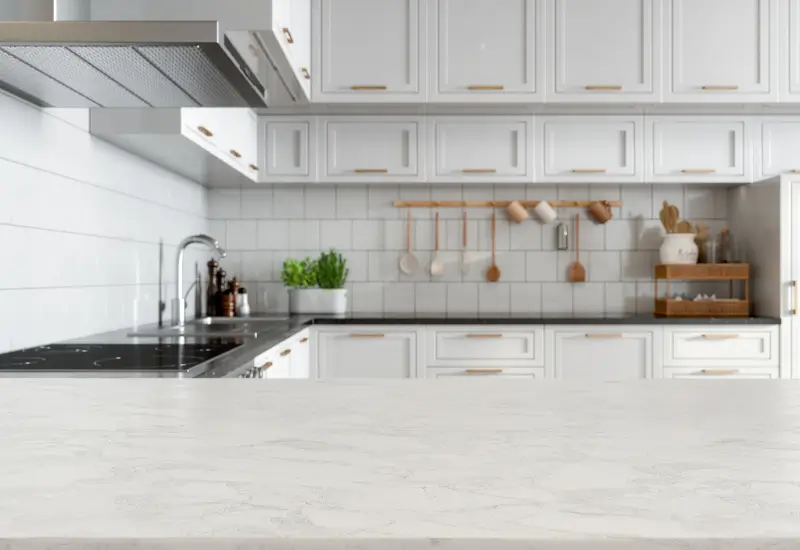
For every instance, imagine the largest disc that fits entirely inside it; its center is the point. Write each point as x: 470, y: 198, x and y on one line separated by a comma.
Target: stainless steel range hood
x: 126, y: 64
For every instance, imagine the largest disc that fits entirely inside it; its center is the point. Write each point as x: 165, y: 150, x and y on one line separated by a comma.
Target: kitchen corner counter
x: 527, y: 319
x: 294, y: 464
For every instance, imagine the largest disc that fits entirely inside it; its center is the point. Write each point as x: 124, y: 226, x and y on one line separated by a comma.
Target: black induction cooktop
x: 112, y: 357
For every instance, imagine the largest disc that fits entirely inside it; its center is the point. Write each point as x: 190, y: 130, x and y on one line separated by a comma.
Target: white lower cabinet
x: 486, y: 372
x: 367, y: 352
x: 721, y: 374
x: 732, y: 347
x: 289, y: 359
x: 479, y: 346
x: 600, y: 353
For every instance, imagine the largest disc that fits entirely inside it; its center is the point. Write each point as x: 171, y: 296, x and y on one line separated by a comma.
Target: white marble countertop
x: 533, y: 465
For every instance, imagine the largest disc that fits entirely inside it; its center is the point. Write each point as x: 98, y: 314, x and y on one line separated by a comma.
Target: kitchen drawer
x: 722, y: 374
x: 373, y: 149
x: 720, y: 346
x: 367, y: 352
x: 486, y: 345
x: 486, y: 372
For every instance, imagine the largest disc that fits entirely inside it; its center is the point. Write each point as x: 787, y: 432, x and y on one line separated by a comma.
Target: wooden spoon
x: 465, y: 259
x: 577, y: 273
x: 674, y: 216
x: 493, y: 274
x: 684, y: 227
x: 437, y: 267
x: 664, y: 215
x: 408, y: 262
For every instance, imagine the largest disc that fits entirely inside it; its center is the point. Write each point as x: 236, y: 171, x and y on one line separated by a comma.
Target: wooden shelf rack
x: 730, y: 307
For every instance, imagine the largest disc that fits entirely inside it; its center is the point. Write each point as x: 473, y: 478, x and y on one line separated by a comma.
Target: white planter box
x: 318, y: 300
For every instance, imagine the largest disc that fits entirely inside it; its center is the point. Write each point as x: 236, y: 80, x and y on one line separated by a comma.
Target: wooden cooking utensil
x: 684, y: 227
x: 437, y: 267
x: 577, y: 273
x: 408, y: 262
x: 674, y: 216
x: 464, y: 248
x: 493, y: 274
x: 664, y: 215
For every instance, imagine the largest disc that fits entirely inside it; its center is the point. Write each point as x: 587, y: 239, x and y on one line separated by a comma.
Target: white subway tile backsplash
x: 224, y: 204
x: 241, y: 234
x: 362, y: 223
x: 673, y: 194
x: 288, y: 203
x: 336, y: 234
x: 257, y: 204
x: 699, y: 203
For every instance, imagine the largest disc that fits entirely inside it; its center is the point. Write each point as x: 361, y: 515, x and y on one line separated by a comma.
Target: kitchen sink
x: 214, y: 327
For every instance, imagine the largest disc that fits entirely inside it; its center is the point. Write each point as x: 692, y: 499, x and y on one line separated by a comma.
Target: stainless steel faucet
x: 179, y: 302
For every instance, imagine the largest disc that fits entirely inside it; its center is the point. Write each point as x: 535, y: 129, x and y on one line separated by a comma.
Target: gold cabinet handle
x: 236, y: 153
x: 288, y: 34
x: 698, y: 171
x: 485, y: 87
x: 367, y: 335
x: 254, y: 167
x: 604, y: 88
x: 718, y: 372
x: 600, y: 336
x: 483, y: 336
x: 306, y: 73
x: 371, y: 171
x: 483, y: 371
x: 479, y: 170
x: 266, y: 365
x: 589, y: 171
x: 205, y: 131
x: 303, y: 340
x: 719, y: 88
x: 720, y: 336
x: 368, y: 87
x: 285, y: 352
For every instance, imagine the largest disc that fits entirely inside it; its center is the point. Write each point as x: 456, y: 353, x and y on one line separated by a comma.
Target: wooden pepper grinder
x: 234, y: 295
x: 211, y: 292
x: 221, y: 274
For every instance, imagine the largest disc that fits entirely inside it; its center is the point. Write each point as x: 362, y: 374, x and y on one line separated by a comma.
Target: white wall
x: 79, y: 225
x: 264, y: 227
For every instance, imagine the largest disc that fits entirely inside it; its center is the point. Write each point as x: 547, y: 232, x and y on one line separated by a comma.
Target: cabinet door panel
x: 483, y: 373
x: 369, y: 54
x: 695, y: 149
x: 492, y: 149
x: 484, y: 50
x: 288, y: 150
x: 612, y: 61
x: 780, y: 143
x: 369, y: 150
x: 360, y: 353
x: 720, y: 50
x: 590, y: 149
x: 595, y: 355
x: 720, y: 347
x: 721, y: 374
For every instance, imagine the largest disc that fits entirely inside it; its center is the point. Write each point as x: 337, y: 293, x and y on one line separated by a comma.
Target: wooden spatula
x: 577, y: 273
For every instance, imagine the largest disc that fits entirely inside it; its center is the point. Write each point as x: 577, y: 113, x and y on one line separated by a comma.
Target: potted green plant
x: 317, y: 286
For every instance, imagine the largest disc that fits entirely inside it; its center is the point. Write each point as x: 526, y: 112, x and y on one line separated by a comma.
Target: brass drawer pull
x: 719, y: 88
x: 482, y: 336
x: 266, y: 365
x: 303, y: 340
x: 368, y: 88
x: 371, y: 171
x: 485, y: 87
x: 720, y: 336
x: 483, y: 371
x: 589, y: 171
x: 479, y: 170
x: 254, y: 167
x: 718, y: 372
x: 607, y: 88
x: 288, y: 34
x: 205, y: 131
x: 236, y: 153
x: 367, y: 335
x: 698, y: 171
x: 599, y: 336
x: 285, y: 352
x: 306, y: 73
x: 795, y: 171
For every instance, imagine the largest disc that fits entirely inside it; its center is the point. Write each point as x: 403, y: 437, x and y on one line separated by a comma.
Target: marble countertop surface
x: 417, y: 463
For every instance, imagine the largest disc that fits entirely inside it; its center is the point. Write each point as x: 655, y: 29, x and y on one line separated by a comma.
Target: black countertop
x: 526, y: 319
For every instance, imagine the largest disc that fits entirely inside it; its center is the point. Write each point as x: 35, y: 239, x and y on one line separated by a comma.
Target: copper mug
x: 517, y: 212
x: 600, y: 211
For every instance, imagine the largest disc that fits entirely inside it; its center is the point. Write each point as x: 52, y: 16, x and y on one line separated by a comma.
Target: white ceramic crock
x: 679, y: 248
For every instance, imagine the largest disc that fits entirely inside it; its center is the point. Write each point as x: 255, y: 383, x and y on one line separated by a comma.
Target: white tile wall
x: 80, y: 222
x: 361, y: 222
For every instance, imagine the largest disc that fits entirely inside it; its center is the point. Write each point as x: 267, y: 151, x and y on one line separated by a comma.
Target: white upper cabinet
x: 288, y: 149
x: 367, y: 149
x: 368, y: 52
x: 291, y: 23
x: 721, y: 50
x: 481, y: 149
x: 603, y: 51
x: 590, y: 148
x: 485, y: 51
x: 699, y: 149
x: 779, y: 147
x: 789, y: 50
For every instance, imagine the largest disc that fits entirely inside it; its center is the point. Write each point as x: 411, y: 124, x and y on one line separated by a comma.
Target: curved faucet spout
x: 179, y: 303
